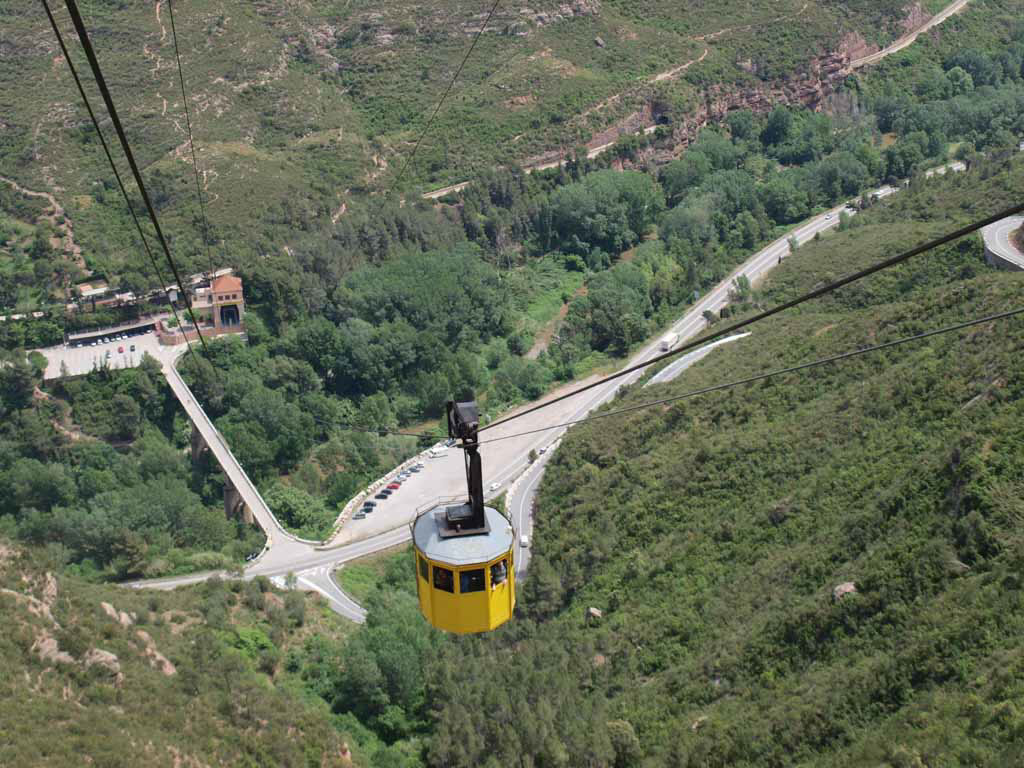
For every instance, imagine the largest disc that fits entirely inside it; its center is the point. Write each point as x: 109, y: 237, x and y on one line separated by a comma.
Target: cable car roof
x: 462, y: 550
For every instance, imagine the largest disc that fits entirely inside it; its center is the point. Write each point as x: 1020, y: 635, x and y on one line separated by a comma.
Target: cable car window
x: 424, y: 569
x: 471, y: 581
x: 499, y: 573
x: 443, y: 579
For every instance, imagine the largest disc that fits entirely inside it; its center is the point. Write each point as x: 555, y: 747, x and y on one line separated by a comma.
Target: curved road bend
x: 998, y: 240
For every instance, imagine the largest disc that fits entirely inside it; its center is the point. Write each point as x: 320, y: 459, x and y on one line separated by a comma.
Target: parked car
x: 414, y: 469
x: 359, y: 516
x: 394, y: 486
x: 369, y: 503
x: 382, y: 495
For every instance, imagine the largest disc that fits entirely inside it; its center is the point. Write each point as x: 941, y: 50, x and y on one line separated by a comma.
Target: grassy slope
x: 712, y: 532
x: 793, y: 486
x: 217, y: 709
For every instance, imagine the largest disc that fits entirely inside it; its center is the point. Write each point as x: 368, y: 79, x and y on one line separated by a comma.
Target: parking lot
x: 117, y: 353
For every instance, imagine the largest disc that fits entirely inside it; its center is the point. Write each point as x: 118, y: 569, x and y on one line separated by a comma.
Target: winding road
x: 999, y: 245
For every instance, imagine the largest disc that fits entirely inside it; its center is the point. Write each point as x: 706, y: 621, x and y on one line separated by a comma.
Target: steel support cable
x: 451, y: 84
x: 885, y: 264
x: 770, y: 374
x: 110, y: 159
x: 191, y: 143
x: 83, y: 36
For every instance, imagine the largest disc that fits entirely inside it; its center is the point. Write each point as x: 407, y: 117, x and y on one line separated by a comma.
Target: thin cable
x: 885, y: 264
x: 770, y: 374
x: 83, y: 36
x: 110, y: 159
x: 191, y: 143
x: 444, y: 96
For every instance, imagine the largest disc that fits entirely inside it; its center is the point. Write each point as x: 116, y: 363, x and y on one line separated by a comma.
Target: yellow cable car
x: 465, y: 573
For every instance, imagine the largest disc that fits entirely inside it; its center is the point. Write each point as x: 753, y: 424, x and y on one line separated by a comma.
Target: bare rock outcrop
x: 562, y: 12
x: 35, y: 606
x: 156, y: 659
x: 121, y: 617
x: 97, y: 657
x: 47, y: 649
x: 842, y: 590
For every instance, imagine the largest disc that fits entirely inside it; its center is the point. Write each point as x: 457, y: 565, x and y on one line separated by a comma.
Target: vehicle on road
x: 359, y: 516
x: 524, y: 541
x: 668, y: 341
x: 369, y: 503
x: 438, y: 450
x: 132, y: 348
x: 120, y: 350
x: 828, y: 216
x: 494, y: 486
x: 108, y: 353
x: 394, y: 486
x: 543, y: 450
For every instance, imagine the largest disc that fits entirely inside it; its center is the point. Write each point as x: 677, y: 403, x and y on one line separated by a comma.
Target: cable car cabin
x: 465, y: 579
x: 464, y: 569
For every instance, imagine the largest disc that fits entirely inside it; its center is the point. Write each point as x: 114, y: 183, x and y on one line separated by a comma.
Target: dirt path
x: 911, y: 36
x: 671, y: 74
x: 544, y: 336
x: 66, y: 238
x: 163, y: 31
x: 70, y: 431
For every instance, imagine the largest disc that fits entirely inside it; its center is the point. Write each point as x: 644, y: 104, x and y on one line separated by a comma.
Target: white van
x: 524, y: 541
x: 438, y: 450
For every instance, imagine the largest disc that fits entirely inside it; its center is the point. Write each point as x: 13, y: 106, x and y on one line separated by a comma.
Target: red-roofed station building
x: 218, y: 306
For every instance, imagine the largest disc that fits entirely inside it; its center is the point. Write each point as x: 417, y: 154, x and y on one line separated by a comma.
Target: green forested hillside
x: 301, y: 109
x: 712, y: 532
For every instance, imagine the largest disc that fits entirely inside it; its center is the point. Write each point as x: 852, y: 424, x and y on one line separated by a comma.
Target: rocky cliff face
x: 810, y: 90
